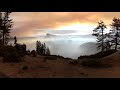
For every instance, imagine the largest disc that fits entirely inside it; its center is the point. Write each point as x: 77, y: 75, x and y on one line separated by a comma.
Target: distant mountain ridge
x: 50, y: 35
x: 88, y: 48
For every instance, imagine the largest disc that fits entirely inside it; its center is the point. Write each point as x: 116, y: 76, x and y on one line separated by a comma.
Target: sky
x: 32, y: 24
x: 35, y: 24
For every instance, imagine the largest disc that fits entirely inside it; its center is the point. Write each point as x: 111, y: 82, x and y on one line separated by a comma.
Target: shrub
x: 50, y: 58
x: 68, y: 59
x: 10, y: 54
x: 33, y: 53
x: 12, y: 57
x: 21, y: 48
x: 74, y: 62
x: 91, y: 63
x: 24, y: 67
x: 57, y: 56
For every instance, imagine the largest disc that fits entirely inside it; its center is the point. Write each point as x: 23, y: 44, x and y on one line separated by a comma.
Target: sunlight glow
x: 80, y: 28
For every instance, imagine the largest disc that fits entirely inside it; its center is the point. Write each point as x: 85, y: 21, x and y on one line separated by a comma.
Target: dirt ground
x: 59, y: 68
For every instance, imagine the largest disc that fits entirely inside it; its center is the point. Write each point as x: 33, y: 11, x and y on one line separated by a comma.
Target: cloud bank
x: 28, y: 23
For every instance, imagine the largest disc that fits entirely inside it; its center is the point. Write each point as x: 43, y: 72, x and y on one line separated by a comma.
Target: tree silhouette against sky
x: 6, y: 25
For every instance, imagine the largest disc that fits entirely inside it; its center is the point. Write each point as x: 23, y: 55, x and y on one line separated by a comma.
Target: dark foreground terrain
x: 56, y: 67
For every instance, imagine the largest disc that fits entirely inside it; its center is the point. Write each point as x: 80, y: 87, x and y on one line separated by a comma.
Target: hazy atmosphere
x: 61, y: 31
x: 59, y: 44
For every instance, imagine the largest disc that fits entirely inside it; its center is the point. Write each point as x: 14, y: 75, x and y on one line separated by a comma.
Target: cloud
x: 27, y: 23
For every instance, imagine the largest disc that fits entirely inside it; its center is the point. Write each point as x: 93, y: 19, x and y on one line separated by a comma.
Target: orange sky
x: 34, y: 23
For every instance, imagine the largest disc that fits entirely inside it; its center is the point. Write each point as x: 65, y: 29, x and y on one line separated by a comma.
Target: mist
x: 71, y: 46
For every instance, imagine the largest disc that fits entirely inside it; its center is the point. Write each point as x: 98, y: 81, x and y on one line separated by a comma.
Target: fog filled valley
x: 71, y: 46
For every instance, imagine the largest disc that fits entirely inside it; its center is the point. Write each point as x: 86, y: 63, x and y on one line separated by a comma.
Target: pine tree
x: 6, y: 25
x: 0, y: 28
x: 115, y: 32
x: 48, y: 51
x: 42, y: 49
x: 38, y: 47
x: 99, y: 33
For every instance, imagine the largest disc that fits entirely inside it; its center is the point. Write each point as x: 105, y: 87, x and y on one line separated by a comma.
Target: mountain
x: 50, y: 35
x: 88, y: 48
x: 81, y: 36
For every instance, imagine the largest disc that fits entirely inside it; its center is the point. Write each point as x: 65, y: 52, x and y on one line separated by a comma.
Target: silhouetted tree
x: 99, y: 33
x: 41, y: 48
x: 6, y: 25
x: 15, y: 40
x: 44, y: 49
x: 48, y: 51
x: 0, y: 18
x: 38, y: 47
x: 115, y: 32
x: 1, y: 28
x: 107, y: 45
x: 24, y: 48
